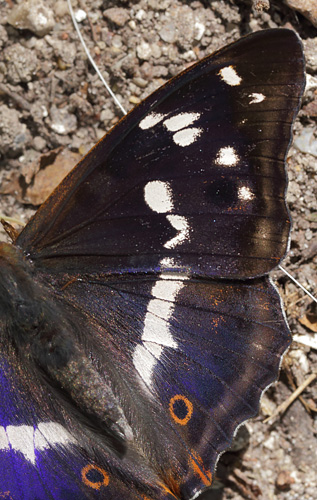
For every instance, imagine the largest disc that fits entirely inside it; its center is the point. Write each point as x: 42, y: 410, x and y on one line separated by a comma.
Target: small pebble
x: 33, y: 15
x: 132, y: 24
x: 199, y: 30
x: 117, y: 15
x: 140, y: 15
x: 61, y: 8
x: 306, y: 7
x: 144, y: 51
x: 106, y: 115
x: 62, y: 122
x: 284, y: 481
x: 140, y: 82
x: 310, y: 55
x: 39, y: 143
x: 134, y: 99
x: 21, y: 63
x: 306, y: 142
x: 168, y: 33
x: 14, y: 135
x: 80, y: 15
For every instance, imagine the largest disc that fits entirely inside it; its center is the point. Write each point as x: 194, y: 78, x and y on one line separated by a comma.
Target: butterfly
x: 139, y: 326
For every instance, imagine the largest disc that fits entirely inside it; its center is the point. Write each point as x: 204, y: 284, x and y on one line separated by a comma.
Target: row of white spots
x: 230, y: 76
x: 27, y: 440
x: 185, y: 135
x: 227, y: 156
x: 156, y: 331
x: 180, y: 125
x: 158, y: 196
x: 156, y: 334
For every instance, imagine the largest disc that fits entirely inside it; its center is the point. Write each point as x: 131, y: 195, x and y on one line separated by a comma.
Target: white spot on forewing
x: 230, y: 76
x: 245, y: 193
x: 187, y: 136
x: 227, y: 157
x: 180, y: 121
x: 256, y: 98
x: 151, y: 120
x: 158, y: 196
x: 27, y: 440
x: 180, y: 223
x: 168, y: 263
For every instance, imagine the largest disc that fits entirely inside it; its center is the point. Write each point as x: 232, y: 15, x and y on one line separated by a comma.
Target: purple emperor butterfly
x: 139, y: 327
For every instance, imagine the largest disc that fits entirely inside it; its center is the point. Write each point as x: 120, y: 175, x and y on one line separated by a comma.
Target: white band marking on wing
x: 27, y: 440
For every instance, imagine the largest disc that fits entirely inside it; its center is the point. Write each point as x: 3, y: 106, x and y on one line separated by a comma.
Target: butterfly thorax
x: 40, y: 334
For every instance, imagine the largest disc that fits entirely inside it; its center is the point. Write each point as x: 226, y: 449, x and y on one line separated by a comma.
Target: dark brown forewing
x: 192, y: 178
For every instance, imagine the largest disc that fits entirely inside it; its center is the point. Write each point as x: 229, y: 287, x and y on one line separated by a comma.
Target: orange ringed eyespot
x: 181, y: 420
x: 95, y: 485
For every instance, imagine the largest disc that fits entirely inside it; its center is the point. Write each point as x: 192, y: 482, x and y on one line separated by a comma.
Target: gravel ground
x: 53, y: 108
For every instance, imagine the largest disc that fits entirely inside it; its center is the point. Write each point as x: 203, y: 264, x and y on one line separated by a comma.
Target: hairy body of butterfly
x: 43, y: 336
x: 138, y: 325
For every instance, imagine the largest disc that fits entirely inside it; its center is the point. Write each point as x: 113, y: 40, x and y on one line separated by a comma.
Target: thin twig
x: 297, y: 283
x: 283, y: 407
x: 92, y: 62
x: 21, y: 102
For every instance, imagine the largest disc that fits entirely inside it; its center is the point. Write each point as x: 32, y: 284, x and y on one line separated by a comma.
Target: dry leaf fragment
x: 309, y: 320
x: 50, y: 175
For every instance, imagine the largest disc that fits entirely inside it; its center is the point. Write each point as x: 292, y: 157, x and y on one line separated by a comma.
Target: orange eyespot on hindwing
x: 181, y: 409
x: 94, y: 476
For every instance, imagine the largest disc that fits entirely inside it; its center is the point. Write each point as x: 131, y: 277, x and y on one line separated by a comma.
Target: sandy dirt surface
x: 53, y: 108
